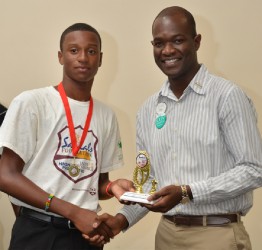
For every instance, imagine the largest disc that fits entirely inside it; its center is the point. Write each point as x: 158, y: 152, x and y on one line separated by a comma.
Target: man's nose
x: 169, y: 48
x: 82, y: 57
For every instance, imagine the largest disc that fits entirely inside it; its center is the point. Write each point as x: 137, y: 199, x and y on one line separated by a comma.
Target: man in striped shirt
x: 200, y: 132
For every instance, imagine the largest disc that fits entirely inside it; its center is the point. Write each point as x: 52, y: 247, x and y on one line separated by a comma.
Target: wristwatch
x: 185, y: 198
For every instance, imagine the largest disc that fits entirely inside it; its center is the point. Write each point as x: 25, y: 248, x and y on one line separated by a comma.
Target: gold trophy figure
x: 140, y: 177
x: 142, y: 170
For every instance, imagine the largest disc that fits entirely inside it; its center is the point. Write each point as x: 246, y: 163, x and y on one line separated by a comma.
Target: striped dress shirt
x: 210, y: 141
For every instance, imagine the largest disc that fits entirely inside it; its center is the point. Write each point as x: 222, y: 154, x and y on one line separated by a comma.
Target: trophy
x: 140, y: 177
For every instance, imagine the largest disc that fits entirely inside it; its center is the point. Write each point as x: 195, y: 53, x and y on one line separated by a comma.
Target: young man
x: 58, y: 146
x: 204, y: 146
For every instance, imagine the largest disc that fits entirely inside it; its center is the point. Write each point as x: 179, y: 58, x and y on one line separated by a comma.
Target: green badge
x: 160, y: 121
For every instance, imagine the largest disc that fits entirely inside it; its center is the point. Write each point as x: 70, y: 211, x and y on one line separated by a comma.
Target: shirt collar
x: 197, y: 84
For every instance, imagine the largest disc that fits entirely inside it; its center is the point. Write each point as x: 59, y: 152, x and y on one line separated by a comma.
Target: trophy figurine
x: 153, y: 189
x: 140, y: 177
x: 142, y: 170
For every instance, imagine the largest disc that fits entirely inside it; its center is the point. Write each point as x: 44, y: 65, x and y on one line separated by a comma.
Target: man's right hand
x: 116, y: 224
x: 88, y: 223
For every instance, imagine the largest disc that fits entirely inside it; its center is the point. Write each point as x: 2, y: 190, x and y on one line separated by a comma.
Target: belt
x: 57, y: 222
x: 206, y: 220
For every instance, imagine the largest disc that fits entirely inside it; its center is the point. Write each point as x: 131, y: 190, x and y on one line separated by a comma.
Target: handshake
x: 101, y: 228
x: 104, y: 227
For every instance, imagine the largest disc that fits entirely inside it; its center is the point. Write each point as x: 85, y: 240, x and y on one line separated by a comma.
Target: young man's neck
x: 78, y: 91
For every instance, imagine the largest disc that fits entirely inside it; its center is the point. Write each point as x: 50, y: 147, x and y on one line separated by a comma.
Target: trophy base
x: 136, y: 197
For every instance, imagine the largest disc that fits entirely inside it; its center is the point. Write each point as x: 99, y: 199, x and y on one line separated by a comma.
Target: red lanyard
x: 75, y: 147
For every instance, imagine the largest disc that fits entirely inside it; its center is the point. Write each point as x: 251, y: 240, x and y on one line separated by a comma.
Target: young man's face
x: 80, y: 56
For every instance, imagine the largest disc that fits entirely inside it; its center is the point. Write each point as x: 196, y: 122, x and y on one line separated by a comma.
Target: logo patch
x: 84, y: 164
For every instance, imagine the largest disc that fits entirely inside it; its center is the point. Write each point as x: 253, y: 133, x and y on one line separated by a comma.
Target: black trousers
x: 31, y: 234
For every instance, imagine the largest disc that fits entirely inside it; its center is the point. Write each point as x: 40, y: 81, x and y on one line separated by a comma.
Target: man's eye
x: 178, y: 41
x: 158, y: 44
x: 73, y: 51
x: 92, y: 51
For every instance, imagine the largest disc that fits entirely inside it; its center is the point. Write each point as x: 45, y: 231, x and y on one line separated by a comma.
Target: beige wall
x: 30, y: 31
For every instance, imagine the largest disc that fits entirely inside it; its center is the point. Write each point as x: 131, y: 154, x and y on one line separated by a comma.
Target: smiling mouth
x: 170, y: 61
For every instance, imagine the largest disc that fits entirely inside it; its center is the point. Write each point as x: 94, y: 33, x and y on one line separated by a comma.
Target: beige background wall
x: 29, y: 36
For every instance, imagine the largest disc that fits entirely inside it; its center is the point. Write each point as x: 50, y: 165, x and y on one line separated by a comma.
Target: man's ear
x: 101, y: 57
x: 60, y: 57
x: 197, y: 40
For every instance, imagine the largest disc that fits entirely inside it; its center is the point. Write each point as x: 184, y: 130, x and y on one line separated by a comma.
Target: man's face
x: 174, y: 46
x: 80, y: 56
